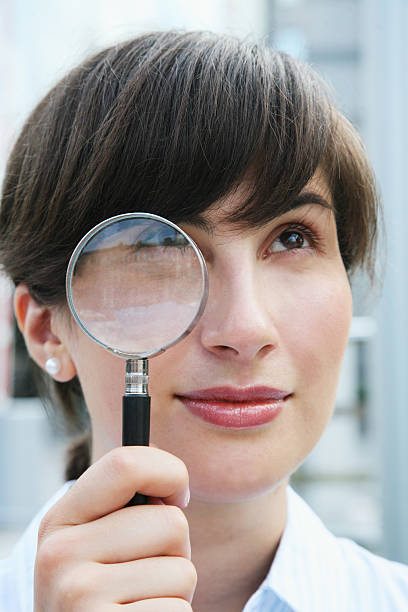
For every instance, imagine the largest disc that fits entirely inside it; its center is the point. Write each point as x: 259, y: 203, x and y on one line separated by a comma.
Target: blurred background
x: 357, y: 477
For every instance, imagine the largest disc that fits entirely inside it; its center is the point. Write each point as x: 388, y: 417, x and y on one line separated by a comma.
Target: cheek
x: 319, y: 329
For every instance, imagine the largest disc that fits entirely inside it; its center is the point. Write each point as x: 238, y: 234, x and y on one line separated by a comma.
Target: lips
x: 234, y: 407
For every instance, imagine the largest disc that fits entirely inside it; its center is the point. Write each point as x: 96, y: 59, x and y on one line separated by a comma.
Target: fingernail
x: 186, y: 500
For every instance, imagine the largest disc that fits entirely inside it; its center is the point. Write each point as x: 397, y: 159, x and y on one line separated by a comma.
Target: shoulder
x: 17, y: 571
x: 315, y: 570
x: 388, y: 579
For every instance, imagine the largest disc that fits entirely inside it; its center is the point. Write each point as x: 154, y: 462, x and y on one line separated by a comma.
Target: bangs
x: 193, y: 121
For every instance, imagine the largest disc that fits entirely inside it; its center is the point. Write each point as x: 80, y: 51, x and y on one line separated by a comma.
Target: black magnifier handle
x: 136, y: 429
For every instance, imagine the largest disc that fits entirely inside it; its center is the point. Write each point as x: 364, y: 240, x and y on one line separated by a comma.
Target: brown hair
x: 169, y: 123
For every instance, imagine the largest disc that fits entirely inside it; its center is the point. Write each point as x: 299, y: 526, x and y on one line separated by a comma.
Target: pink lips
x: 234, y: 407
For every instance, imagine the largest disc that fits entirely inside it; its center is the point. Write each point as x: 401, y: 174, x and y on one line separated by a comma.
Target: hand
x: 94, y: 554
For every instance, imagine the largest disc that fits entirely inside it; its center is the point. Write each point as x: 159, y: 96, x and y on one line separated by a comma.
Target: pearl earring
x: 53, y: 366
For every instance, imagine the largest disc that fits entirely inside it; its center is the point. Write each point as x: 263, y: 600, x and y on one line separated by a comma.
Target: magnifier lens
x: 137, y: 284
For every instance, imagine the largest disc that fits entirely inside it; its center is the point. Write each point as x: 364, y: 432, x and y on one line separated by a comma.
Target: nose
x: 237, y: 323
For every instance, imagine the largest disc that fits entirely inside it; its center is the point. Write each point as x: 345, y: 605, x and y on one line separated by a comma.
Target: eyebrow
x: 305, y: 197
x: 310, y: 197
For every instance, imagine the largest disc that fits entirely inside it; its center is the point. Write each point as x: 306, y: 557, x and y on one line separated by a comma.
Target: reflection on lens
x: 137, y: 285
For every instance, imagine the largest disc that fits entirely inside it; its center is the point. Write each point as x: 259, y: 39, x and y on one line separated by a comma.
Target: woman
x: 240, y: 146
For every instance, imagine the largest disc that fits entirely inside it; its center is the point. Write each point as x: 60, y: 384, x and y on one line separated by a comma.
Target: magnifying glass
x: 136, y: 284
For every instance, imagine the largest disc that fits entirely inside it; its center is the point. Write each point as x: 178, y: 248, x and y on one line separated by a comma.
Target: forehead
x: 222, y: 212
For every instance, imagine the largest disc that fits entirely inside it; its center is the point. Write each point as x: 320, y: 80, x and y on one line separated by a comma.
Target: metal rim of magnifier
x: 78, y: 251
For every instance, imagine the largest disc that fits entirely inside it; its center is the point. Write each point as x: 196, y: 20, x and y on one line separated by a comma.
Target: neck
x: 233, y: 546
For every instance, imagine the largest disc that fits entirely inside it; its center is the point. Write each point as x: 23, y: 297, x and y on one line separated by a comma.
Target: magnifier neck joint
x: 137, y: 376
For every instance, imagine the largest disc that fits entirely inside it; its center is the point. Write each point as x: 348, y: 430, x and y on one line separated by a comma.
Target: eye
x: 290, y: 239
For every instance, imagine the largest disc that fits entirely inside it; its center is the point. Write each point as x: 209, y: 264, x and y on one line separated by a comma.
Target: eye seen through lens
x: 137, y: 284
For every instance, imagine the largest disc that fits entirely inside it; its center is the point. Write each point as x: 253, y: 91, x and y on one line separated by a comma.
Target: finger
x: 145, y: 531
x: 124, y: 583
x: 96, y: 586
x: 113, y: 480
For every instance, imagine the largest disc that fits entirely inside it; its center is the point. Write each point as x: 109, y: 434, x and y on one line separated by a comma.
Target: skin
x: 289, y: 332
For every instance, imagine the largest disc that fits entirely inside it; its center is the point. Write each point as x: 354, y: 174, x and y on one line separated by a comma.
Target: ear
x: 35, y: 323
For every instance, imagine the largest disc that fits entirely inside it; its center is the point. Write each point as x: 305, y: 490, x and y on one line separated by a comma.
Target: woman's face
x: 246, y: 396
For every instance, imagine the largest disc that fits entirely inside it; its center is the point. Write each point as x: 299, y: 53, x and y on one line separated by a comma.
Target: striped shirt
x: 313, y: 571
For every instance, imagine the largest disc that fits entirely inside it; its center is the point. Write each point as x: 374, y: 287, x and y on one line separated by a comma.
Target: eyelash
x: 306, y: 232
